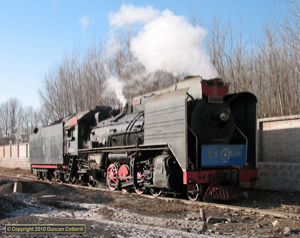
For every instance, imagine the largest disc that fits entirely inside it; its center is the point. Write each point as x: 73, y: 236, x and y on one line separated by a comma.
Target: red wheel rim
x: 155, y: 192
x: 124, y: 173
x: 124, y: 176
x: 140, y: 190
x: 112, y: 177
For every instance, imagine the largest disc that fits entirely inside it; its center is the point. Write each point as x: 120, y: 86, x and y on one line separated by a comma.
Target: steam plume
x: 115, y: 85
x: 130, y: 14
x: 165, y: 42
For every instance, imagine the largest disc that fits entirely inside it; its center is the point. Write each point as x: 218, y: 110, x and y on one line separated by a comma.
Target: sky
x: 35, y: 35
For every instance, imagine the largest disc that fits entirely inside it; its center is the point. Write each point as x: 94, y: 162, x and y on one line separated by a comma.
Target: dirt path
x: 100, y: 211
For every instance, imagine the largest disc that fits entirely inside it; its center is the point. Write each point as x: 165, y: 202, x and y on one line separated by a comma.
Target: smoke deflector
x: 166, y: 120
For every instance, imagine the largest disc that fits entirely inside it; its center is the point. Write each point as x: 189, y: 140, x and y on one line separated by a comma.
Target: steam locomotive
x: 191, y: 137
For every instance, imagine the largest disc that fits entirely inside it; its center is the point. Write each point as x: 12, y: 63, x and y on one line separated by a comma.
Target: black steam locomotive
x: 192, y: 136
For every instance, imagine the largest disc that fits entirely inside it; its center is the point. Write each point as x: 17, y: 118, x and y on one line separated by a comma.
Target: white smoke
x: 165, y: 42
x: 115, y: 85
x: 112, y: 47
x: 84, y: 21
x: 130, y: 14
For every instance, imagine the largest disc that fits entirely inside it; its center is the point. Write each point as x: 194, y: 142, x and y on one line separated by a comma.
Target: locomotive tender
x: 192, y: 136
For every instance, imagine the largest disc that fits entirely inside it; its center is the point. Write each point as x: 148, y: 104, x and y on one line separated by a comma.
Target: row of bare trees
x: 78, y: 82
x: 266, y: 63
x: 17, y: 122
x: 81, y: 80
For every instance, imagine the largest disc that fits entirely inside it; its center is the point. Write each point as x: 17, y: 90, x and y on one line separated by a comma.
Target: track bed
x: 252, y: 216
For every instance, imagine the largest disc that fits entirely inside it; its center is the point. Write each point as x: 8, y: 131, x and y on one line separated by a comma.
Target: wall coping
x: 14, y: 144
x: 279, y: 163
x: 1, y: 157
x: 285, y: 118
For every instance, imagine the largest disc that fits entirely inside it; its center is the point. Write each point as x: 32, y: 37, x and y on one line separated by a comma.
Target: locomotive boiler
x: 192, y: 136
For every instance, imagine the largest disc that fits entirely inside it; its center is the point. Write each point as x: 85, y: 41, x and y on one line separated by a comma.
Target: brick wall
x: 7, y: 151
x: 24, y: 150
x: 278, y: 176
x: 22, y: 163
x: 15, y: 151
x: 279, y: 153
x: 279, y: 139
x: 15, y: 156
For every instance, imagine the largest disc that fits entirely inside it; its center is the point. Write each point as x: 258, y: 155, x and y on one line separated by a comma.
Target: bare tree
x: 265, y: 63
x: 290, y: 22
x: 29, y: 119
x: 10, y: 113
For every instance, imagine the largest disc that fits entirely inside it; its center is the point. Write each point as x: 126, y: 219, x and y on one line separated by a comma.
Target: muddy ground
x: 97, y: 209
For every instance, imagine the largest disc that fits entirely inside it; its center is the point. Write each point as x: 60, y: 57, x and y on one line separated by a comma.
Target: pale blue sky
x: 36, y: 34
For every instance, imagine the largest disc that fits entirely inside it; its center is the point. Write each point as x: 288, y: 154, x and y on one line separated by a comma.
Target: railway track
x: 244, y: 206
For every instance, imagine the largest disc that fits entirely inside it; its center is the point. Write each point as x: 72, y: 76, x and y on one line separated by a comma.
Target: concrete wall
x: 15, y: 156
x: 22, y: 163
x: 278, y: 176
x: 279, y: 153
x: 279, y: 139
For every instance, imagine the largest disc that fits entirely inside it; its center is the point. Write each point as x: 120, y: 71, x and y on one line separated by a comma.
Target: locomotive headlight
x: 224, y: 116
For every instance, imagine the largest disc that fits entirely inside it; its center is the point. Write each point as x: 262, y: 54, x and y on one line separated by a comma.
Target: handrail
x: 197, y: 165
x: 245, y: 139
